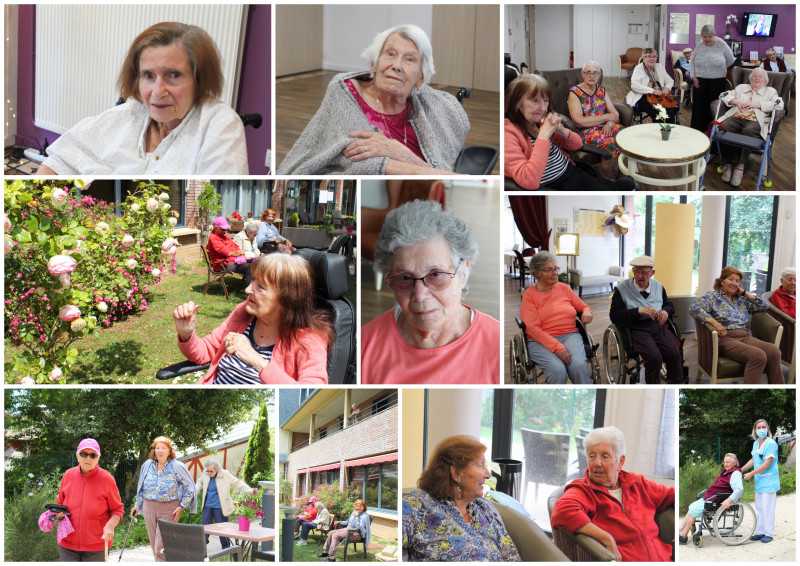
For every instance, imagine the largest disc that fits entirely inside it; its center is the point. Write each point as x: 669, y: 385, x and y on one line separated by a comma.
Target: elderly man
x: 224, y: 253
x: 684, y: 64
x: 594, y: 505
x: 772, y: 63
x: 641, y: 304
x: 784, y: 296
x: 216, y: 485
x: 246, y: 240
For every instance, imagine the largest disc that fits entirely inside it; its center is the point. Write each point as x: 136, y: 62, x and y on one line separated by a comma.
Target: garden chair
x: 349, y: 539
x: 215, y: 275
x: 187, y: 543
x: 546, y: 458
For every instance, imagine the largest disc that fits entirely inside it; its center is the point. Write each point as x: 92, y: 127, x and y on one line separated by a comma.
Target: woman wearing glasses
x: 592, y: 110
x: 430, y: 337
x: 548, y: 311
x: 94, y: 506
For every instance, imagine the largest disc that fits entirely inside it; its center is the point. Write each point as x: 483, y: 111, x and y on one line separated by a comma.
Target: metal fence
x: 715, y: 447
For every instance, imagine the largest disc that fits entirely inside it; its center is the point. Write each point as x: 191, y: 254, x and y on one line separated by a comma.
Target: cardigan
x: 184, y: 478
x: 209, y: 140
x: 784, y: 301
x: 289, y: 364
x: 524, y: 161
x: 360, y: 522
x: 550, y: 314
x: 766, y: 97
x: 226, y: 481
x: 90, y: 500
x: 779, y: 63
x: 639, y: 80
x: 711, y: 62
x: 436, y: 116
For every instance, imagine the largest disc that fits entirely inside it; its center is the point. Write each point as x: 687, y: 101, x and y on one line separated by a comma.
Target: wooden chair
x: 215, y: 275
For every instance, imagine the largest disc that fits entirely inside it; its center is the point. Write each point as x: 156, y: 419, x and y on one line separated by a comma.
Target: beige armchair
x: 579, y: 280
x: 531, y: 541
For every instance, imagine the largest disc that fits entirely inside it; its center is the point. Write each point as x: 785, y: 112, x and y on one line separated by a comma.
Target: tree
x: 258, y: 460
x: 732, y: 412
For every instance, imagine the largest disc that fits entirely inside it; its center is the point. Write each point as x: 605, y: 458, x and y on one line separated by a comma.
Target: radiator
x: 80, y: 50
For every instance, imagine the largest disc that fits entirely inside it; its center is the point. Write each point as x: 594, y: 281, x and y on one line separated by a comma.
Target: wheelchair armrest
x: 181, y: 368
x: 462, y: 93
x: 594, y: 548
x: 520, y: 323
x: 254, y: 120
x: 594, y: 150
x: 699, y: 495
x: 476, y: 160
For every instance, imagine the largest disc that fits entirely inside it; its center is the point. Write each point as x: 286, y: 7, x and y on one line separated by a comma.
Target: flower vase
x: 244, y: 524
x: 665, y: 135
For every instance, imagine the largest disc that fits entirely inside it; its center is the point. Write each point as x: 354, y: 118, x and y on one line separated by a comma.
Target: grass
x: 132, y: 350
x: 309, y: 552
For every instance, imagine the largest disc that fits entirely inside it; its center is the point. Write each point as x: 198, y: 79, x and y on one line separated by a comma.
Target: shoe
x: 627, y: 184
x: 301, y: 542
x: 322, y: 555
x: 726, y: 174
x: 756, y: 537
x: 296, y: 536
x: 736, y: 178
x: 683, y: 540
x: 766, y: 539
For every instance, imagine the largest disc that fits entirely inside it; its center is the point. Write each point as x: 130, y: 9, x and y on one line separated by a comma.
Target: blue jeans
x: 213, y: 515
x: 307, y: 526
x: 556, y: 371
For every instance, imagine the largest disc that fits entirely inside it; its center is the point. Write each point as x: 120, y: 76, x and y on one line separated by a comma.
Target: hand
x: 721, y: 330
x: 608, y: 129
x: 176, y: 515
x: 108, y: 532
x: 649, y: 312
x: 288, y: 243
x: 586, y: 316
x: 749, y: 475
x: 550, y: 124
x: 696, y: 82
x: 663, y: 316
x: 375, y: 144
x: 185, y: 317
x: 725, y: 504
x: 134, y: 512
x: 255, y: 491
x: 238, y: 345
x: 60, y: 516
x: 563, y: 355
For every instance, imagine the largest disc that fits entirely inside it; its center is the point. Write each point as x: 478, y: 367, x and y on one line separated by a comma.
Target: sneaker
x: 756, y: 537
x: 766, y: 539
x: 726, y: 174
x: 736, y: 178
x: 301, y: 542
x: 683, y: 540
x: 322, y: 555
x: 296, y: 536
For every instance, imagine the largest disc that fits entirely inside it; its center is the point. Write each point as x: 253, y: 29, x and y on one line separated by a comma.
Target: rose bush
x: 67, y: 269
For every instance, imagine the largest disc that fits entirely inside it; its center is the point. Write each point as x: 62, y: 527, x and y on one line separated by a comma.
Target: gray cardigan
x: 711, y: 62
x: 436, y: 116
x: 186, y: 481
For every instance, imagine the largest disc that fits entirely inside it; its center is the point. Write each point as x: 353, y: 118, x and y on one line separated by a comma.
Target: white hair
x: 212, y: 463
x: 590, y: 63
x: 412, y: 33
x: 708, y: 29
x: 760, y: 70
x: 788, y: 271
x: 606, y: 435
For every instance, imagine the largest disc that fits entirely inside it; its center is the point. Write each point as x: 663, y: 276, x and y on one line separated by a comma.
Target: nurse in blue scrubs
x: 765, y: 469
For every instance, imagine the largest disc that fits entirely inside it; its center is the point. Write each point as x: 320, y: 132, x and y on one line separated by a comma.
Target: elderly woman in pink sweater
x: 548, y: 311
x: 275, y: 336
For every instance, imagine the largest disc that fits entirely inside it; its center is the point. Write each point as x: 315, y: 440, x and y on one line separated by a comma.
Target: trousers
x: 657, y: 345
x: 556, y: 371
x: 335, y: 538
x: 153, y: 511
x: 757, y: 355
x: 213, y: 515
x: 765, y: 509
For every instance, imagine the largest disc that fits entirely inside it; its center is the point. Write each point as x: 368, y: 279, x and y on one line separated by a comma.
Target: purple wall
x: 255, y: 94
x: 784, y: 32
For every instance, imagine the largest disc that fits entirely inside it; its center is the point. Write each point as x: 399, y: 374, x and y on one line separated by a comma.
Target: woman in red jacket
x: 536, y: 143
x: 94, y: 505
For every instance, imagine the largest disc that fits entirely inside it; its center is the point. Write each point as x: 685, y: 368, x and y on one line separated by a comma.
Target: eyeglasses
x: 435, y: 280
x: 642, y: 269
x: 549, y: 271
x: 591, y: 73
x: 92, y: 455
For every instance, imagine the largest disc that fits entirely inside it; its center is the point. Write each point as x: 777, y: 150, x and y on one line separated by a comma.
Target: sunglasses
x: 92, y: 455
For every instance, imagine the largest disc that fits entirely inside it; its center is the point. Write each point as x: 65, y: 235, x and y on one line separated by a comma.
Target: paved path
x: 144, y: 554
x: 781, y: 549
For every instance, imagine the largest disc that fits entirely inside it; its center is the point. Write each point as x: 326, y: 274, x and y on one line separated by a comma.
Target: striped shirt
x: 233, y: 371
x: 557, y: 163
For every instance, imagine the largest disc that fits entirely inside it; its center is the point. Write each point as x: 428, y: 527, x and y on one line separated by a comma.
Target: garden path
x: 144, y: 554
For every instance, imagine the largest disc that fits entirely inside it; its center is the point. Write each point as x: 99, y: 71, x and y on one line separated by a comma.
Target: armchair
x: 680, y: 83
x: 629, y: 59
x: 579, y: 280
x: 787, y: 345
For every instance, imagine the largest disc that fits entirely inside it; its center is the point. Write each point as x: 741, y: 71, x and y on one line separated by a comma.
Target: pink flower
x: 172, y: 221
x: 8, y: 244
x: 56, y: 374
x: 131, y: 264
x: 168, y: 244
x: 102, y: 228
x: 6, y: 223
x: 152, y: 205
x: 59, y: 197
x: 26, y: 381
x: 60, y: 264
x: 65, y: 279
x: 127, y: 241
x: 68, y: 313
x: 134, y: 207
x: 77, y: 325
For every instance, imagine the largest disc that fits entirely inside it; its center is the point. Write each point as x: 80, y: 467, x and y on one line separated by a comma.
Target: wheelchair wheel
x: 613, y: 358
x: 519, y: 373
x: 697, y: 539
x: 735, y: 525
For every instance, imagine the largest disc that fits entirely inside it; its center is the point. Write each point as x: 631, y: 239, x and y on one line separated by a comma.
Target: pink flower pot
x: 244, y: 524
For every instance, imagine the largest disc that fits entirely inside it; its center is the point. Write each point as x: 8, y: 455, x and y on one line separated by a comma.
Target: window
x: 377, y: 485
x: 750, y: 228
x: 245, y: 196
x: 301, y: 484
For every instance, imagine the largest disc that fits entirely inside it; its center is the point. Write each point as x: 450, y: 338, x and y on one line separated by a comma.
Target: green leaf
x: 81, y: 231
x: 22, y: 236
x: 32, y: 223
x: 45, y: 223
x: 41, y: 238
x: 24, y: 198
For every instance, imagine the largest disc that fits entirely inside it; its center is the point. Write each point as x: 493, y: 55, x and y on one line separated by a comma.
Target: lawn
x: 133, y: 350
x: 309, y: 552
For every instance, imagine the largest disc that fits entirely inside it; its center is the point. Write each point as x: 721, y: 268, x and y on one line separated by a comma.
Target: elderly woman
x: 750, y: 108
x: 322, y: 519
x: 709, y: 66
x: 172, y: 122
x: 650, y: 80
x: 308, y: 514
x: 729, y: 481
x: 728, y: 309
x: 548, y: 311
x: 430, y: 337
x: 593, y: 505
x: 94, y: 506
x: 276, y: 336
x: 784, y: 297
x: 447, y: 519
x: 384, y: 121
x: 772, y: 63
x: 165, y: 489
x: 224, y: 253
x: 216, y: 484
x: 592, y: 110
x: 268, y: 232
x: 768, y: 482
x: 357, y: 526
x: 536, y: 143
x: 246, y: 240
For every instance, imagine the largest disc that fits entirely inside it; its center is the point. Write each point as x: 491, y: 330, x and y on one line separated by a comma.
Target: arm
x: 611, y: 110
x: 639, y: 80
x: 45, y: 170
x: 702, y: 308
x: 767, y: 104
x: 576, y: 113
x: 666, y: 303
x: 767, y: 463
x: 529, y: 313
x: 395, y: 167
x: 619, y: 313
x: 310, y: 365
x: 238, y: 484
x: 604, y: 537
x: 737, y: 489
x: 202, y: 351
x: 224, y: 149
x: 748, y: 464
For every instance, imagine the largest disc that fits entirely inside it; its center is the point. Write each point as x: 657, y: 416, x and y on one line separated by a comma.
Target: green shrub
x: 695, y: 477
x: 24, y: 541
x: 339, y: 503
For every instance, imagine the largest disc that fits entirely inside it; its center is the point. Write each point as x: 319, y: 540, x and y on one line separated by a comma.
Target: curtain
x: 530, y: 216
x: 665, y: 460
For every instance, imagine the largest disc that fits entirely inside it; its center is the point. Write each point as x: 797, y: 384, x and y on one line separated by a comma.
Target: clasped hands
x: 375, y: 144
x: 660, y: 316
x: 551, y: 124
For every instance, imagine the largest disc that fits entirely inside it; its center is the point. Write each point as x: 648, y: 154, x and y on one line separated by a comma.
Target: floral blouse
x: 163, y: 486
x: 435, y: 531
x: 732, y: 315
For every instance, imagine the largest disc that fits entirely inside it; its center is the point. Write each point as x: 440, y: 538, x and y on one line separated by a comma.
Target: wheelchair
x: 623, y: 364
x: 639, y: 115
x: 523, y: 368
x: 732, y: 526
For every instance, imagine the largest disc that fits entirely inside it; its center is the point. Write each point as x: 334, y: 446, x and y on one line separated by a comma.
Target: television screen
x: 759, y: 25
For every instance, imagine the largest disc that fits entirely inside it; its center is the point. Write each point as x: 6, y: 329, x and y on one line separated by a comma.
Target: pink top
x: 550, y: 314
x: 295, y: 365
x: 525, y: 162
x: 400, y: 128
x: 474, y: 358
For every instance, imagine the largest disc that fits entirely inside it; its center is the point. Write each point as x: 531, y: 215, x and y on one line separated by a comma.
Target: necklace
x: 405, y: 120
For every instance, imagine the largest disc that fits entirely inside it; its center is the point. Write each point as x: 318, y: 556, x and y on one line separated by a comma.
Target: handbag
x: 665, y: 100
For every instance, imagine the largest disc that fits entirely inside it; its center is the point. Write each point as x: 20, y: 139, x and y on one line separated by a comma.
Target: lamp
x: 569, y: 245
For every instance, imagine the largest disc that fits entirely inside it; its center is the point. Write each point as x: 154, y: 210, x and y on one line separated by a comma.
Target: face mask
x: 761, y: 433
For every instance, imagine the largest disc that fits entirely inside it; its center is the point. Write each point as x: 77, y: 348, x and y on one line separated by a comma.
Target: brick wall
x: 384, y: 527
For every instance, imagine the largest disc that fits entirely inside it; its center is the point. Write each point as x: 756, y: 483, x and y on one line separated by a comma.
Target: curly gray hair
x: 412, y: 33
x: 540, y: 259
x: 708, y: 29
x: 606, y: 435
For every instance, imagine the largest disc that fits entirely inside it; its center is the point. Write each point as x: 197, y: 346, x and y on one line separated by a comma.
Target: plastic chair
x: 187, y: 543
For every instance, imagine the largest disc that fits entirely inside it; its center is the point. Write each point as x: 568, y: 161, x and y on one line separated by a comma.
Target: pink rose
x: 156, y: 272
x: 26, y: 381
x: 127, y: 241
x: 59, y: 197
x: 68, y: 313
x: 168, y: 244
x: 65, y: 279
x: 152, y: 205
x: 8, y: 244
x: 77, y: 325
x: 6, y: 223
x: 60, y: 264
x: 131, y: 264
x: 56, y: 374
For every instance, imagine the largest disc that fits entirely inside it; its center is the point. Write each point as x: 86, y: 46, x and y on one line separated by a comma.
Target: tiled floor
x: 17, y: 164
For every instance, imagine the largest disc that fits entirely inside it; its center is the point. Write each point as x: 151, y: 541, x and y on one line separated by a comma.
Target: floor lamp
x: 568, y: 244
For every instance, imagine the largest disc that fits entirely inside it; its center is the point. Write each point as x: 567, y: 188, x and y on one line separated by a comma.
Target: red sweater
x: 784, y: 301
x: 91, y: 500
x: 218, y: 249
x: 525, y: 162
x: 631, y: 522
x: 550, y: 314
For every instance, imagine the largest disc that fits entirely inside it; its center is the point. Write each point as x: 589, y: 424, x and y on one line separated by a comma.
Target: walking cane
x: 106, y: 545
x: 126, y: 538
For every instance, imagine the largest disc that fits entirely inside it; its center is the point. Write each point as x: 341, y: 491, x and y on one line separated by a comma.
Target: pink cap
x: 88, y: 444
x: 312, y: 500
x: 221, y: 222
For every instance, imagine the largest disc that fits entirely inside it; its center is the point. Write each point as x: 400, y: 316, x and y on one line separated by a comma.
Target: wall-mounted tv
x: 759, y: 24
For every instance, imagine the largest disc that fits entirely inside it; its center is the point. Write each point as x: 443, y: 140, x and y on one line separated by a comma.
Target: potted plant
x: 236, y: 222
x: 247, y: 509
x: 293, y: 220
x: 662, y: 117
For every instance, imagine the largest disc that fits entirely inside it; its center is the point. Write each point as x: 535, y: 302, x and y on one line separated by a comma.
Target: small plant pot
x: 244, y: 524
x: 665, y: 134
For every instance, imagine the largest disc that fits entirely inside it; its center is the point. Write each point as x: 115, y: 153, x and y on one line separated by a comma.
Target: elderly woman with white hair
x: 750, y: 107
x: 774, y: 63
x: 708, y: 67
x: 593, y: 505
x: 431, y: 336
x: 385, y: 121
x: 216, y: 484
x: 785, y: 296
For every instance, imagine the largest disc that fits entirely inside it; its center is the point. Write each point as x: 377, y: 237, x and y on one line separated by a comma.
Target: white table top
x: 643, y: 142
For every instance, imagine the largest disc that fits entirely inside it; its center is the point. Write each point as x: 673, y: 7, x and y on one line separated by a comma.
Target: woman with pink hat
x: 94, y: 506
x: 309, y: 514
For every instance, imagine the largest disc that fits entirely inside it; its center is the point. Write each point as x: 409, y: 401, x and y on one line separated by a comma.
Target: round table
x: 686, y: 148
